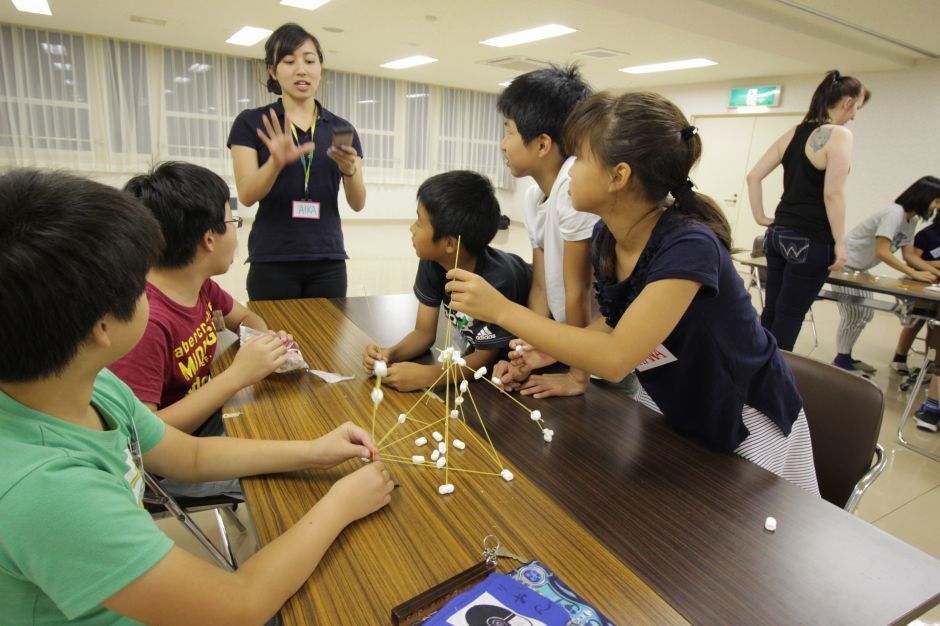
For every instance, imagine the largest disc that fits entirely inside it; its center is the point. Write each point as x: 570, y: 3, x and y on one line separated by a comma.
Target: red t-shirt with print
x: 175, y: 354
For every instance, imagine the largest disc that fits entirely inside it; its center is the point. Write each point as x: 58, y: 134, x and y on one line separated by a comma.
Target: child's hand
x: 409, y: 376
x: 286, y: 337
x: 258, y: 358
x: 364, y: 491
x: 474, y: 296
x: 530, y: 358
x: 923, y: 276
x: 508, y: 375
x: 343, y: 442
x: 374, y: 353
x: 548, y: 385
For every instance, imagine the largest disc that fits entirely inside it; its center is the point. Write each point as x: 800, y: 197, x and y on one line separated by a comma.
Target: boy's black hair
x: 461, y: 204
x: 287, y: 38
x: 917, y: 198
x: 539, y: 102
x: 188, y: 201
x: 71, y: 251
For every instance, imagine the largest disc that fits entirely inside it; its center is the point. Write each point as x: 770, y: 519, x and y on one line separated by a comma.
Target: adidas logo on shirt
x: 484, y: 334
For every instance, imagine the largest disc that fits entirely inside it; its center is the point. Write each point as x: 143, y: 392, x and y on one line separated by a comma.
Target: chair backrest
x: 757, y: 251
x: 843, y: 412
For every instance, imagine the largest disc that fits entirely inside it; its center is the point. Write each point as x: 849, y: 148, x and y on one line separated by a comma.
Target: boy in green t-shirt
x: 75, y: 543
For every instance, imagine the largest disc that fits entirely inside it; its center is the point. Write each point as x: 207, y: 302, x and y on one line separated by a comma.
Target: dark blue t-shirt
x: 508, y: 273
x: 928, y: 241
x: 276, y: 235
x: 725, y: 358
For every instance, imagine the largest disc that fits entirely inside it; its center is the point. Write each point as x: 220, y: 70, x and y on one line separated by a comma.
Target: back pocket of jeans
x: 794, y: 249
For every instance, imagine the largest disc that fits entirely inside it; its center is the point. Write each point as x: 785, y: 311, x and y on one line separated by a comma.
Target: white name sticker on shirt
x: 657, y: 358
x: 306, y: 210
x: 935, y: 253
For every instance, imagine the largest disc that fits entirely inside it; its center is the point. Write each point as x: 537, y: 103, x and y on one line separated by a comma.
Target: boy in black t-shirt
x: 451, y: 205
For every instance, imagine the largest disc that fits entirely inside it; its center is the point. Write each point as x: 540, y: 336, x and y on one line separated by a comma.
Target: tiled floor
x: 903, y: 502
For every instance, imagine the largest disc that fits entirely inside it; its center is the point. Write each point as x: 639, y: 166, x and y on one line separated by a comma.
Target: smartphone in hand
x: 342, y: 135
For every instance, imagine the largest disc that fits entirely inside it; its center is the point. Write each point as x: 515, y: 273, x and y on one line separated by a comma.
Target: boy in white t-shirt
x: 535, y: 107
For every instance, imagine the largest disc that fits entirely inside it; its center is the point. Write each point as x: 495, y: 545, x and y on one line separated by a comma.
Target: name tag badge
x: 935, y: 253
x: 305, y: 210
x: 657, y: 358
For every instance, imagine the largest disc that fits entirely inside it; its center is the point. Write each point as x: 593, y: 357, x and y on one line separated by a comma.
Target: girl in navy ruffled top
x: 673, y: 308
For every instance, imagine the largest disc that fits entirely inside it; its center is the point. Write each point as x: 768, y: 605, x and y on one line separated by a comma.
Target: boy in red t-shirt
x: 169, y: 369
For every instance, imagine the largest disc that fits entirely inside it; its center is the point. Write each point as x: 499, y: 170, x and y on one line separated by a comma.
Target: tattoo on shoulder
x: 819, y: 138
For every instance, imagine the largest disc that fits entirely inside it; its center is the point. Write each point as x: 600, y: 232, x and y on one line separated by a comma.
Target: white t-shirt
x: 551, y: 222
x: 890, y: 223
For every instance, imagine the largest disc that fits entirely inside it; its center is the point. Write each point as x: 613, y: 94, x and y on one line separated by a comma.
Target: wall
x: 895, y: 135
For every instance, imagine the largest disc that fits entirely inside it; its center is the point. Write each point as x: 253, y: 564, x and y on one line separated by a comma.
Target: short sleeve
x: 688, y: 254
x: 890, y: 224
x: 243, y: 132
x: 221, y: 300
x: 429, y: 283
x: 534, y: 216
x: 357, y: 143
x: 78, y: 535
x: 144, y: 368
x: 150, y: 428
x: 574, y: 225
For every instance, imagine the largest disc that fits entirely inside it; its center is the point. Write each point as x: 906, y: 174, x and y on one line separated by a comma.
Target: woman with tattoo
x: 806, y: 237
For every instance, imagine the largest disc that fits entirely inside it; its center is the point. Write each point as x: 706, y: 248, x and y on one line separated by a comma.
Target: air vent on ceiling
x: 600, y: 53
x: 152, y: 21
x: 517, y: 63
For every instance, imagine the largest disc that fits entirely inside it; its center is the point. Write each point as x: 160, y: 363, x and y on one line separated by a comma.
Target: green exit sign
x: 755, y: 97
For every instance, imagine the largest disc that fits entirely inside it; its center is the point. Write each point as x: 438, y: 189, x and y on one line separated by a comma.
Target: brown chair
x: 759, y: 279
x: 843, y: 412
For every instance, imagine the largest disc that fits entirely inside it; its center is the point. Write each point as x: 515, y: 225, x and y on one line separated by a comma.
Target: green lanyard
x: 306, y: 159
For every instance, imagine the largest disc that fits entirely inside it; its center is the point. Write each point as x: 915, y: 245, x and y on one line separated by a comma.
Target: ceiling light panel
x: 668, y: 66
x: 532, y: 34
x: 248, y: 36
x: 309, y: 5
x: 407, y: 62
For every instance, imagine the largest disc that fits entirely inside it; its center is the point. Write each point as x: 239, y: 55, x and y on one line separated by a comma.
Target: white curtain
x: 97, y: 105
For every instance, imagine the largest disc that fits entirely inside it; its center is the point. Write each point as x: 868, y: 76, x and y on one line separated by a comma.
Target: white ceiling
x: 748, y: 38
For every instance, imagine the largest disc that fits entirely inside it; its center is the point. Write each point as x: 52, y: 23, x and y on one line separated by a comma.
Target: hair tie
x: 836, y: 76
x: 682, y: 189
x: 688, y: 132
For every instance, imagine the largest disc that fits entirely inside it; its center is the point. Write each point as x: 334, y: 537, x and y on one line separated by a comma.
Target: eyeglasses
x: 238, y: 221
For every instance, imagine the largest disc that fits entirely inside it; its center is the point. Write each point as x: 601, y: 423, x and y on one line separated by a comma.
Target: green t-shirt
x: 72, y: 529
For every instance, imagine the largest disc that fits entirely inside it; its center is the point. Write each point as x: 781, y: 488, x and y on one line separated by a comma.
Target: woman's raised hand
x: 279, y: 141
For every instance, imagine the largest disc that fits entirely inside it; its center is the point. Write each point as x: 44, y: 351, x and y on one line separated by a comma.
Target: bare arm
x: 419, y: 340
x: 838, y: 162
x: 916, y: 267
x: 577, y: 278
x: 767, y: 163
x: 355, y: 188
x: 254, y: 182
x: 241, y: 315
x: 538, y: 295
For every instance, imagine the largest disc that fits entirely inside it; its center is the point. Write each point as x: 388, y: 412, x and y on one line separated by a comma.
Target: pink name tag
x: 305, y: 210
x: 657, y: 358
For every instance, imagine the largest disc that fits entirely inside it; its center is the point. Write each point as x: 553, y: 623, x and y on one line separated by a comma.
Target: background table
x: 640, y: 504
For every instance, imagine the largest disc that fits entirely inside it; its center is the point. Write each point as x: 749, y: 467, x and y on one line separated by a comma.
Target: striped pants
x: 789, y: 457
x: 852, y: 318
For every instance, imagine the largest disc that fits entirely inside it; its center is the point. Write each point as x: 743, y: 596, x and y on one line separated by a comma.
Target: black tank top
x: 801, y: 206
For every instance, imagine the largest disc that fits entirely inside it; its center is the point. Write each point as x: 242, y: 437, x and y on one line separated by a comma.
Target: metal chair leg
x: 223, y: 537
x: 908, y: 408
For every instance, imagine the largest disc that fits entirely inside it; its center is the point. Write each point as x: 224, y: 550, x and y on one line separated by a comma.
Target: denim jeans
x: 212, y: 427
x: 797, y: 268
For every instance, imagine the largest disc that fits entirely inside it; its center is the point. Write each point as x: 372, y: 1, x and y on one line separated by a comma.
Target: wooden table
x: 647, y: 524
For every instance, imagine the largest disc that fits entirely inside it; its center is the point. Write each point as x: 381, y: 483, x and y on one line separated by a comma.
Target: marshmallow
x: 770, y: 524
x: 497, y: 381
x: 464, y: 385
x: 377, y: 396
x: 455, y: 353
x: 446, y: 489
x: 455, y: 414
x: 520, y: 349
x: 437, y: 436
x: 441, y: 462
x: 506, y: 474
x: 460, y: 361
x: 536, y: 415
x: 420, y: 441
x: 442, y: 447
x: 459, y: 444
x: 480, y: 373
x: 435, y: 455
x: 380, y: 369
x: 547, y: 434
x: 417, y: 459
x: 401, y: 418
x: 458, y: 400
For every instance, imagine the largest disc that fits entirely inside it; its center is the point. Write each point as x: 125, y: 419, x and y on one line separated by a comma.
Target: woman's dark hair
x: 830, y: 91
x: 461, y: 204
x: 282, y: 42
x: 71, y: 252
x: 917, y: 198
x: 188, y: 200
x: 651, y: 135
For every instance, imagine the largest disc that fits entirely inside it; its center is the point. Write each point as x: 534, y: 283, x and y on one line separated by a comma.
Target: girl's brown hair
x: 830, y: 91
x: 650, y: 134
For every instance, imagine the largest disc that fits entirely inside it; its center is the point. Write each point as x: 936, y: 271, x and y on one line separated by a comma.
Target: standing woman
x: 806, y: 237
x: 285, y: 158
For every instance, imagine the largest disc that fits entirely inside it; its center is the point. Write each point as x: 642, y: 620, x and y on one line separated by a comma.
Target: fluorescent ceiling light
x: 416, y: 95
x: 248, y: 36
x: 667, y: 67
x: 525, y: 36
x: 182, y: 79
x: 62, y: 67
x: 401, y: 64
x: 368, y: 101
x: 505, y: 83
x: 54, y: 49
x: 760, y: 108
x: 310, y: 5
x: 33, y: 6
x: 200, y: 67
